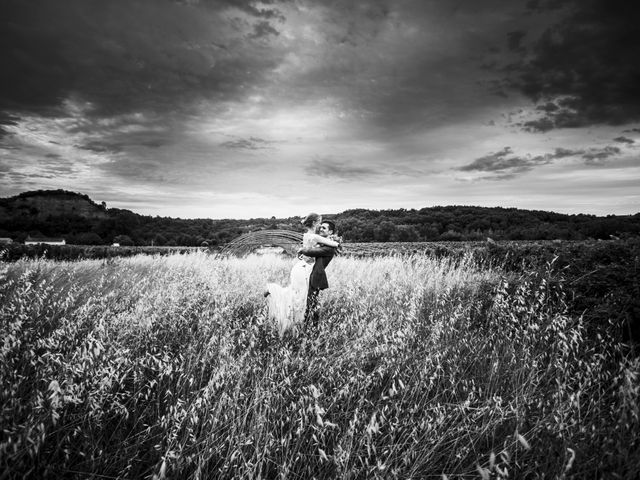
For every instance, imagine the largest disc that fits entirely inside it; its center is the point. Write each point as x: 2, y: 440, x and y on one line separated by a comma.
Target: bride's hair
x: 310, y: 219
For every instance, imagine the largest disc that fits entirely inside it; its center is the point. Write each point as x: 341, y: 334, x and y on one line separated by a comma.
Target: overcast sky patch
x: 229, y: 100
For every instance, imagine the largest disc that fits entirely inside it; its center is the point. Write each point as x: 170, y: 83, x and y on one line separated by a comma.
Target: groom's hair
x: 332, y: 226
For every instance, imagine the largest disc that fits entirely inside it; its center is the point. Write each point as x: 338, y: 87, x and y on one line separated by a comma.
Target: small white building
x: 5, y: 240
x: 115, y: 244
x: 45, y: 240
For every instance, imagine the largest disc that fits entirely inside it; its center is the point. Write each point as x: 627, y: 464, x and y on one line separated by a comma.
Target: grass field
x: 424, y: 367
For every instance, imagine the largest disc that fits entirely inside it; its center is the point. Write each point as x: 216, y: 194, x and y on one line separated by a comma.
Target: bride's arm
x: 325, y: 241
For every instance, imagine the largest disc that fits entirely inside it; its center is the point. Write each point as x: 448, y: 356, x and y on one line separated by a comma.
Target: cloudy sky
x: 239, y: 109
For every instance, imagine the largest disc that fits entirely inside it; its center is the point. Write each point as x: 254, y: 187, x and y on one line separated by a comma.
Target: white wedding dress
x: 286, y: 305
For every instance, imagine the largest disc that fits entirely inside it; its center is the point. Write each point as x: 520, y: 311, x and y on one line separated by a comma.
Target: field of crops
x: 424, y: 366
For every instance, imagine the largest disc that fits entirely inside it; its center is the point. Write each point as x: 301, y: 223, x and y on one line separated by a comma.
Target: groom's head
x: 327, y: 227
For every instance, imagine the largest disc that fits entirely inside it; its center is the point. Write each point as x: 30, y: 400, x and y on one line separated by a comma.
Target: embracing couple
x: 297, y: 303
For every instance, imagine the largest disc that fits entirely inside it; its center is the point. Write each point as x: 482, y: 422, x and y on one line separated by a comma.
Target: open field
x: 16, y: 251
x: 528, y: 248
x: 425, y: 366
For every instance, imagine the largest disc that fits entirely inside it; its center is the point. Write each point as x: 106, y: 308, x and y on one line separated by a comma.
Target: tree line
x: 448, y: 223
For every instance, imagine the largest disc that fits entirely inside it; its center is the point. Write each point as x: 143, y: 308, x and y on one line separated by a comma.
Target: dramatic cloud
x: 504, y: 164
x: 6, y: 120
x: 122, y: 56
x: 229, y: 108
x: 339, y: 170
x: 565, y: 152
x: 596, y: 156
x: 252, y: 143
x: 504, y: 161
x: 583, y: 69
x: 262, y: 9
x: 515, y: 40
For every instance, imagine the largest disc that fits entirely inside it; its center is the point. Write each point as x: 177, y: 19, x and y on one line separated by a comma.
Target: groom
x: 318, y: 279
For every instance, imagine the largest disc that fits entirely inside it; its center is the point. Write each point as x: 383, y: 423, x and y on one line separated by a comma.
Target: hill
x: 43, y: 204
x: 77, y: 218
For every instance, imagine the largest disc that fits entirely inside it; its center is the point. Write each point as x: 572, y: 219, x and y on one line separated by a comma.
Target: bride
x: 286, y: 305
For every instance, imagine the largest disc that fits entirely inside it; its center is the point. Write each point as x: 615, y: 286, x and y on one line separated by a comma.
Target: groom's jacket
x: 323, y: 255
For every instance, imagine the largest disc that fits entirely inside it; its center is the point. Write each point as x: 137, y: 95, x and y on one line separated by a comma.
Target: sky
x: 246, y: 109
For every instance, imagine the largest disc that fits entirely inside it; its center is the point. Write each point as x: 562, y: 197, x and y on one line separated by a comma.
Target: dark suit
x: 317, y: 281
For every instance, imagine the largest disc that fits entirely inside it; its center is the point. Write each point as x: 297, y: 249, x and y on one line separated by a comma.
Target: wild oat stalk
x: 422, y: 368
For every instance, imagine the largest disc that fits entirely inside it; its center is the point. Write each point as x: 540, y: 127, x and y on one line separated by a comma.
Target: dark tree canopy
x: 452, y: 223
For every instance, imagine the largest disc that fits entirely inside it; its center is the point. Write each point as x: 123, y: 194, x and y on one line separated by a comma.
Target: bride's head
x: 312, y: 220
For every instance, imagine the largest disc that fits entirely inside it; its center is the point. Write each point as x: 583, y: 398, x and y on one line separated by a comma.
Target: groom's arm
x: 322, y: 251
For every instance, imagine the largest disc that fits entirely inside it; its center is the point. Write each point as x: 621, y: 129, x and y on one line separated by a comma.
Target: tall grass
x: 154, y: 367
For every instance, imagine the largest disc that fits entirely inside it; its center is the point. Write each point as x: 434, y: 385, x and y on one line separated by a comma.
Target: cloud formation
x: 121, y: 56
x: 504, y: 164
x: 583, y: 69
x: 252, y: 143
x: 240, y: 101
x: 503, y: 160
x: 339, y: 170
x: 596, y: 156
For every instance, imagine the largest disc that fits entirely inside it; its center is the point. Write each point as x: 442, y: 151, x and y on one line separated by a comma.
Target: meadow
x: 424, y: 366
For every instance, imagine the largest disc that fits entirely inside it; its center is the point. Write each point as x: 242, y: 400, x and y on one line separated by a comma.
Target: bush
x: 88, y: 238
x: 123, y: 240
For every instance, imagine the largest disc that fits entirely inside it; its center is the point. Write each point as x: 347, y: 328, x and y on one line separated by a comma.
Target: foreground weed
x: 154, y: 367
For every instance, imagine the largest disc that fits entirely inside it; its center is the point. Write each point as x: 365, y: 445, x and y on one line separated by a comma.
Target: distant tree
x: 159, y: 239
x: 106, y: 228
x: 185, y: 240
x: 225, y: 236
x: 87, y: 238
x: 429, y: 232
x: 451, y: 236
x: 384, y: 231
x: 481, y: 224
x: 123, y: 240
x: 356, y: 225
x: 406, y: 233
